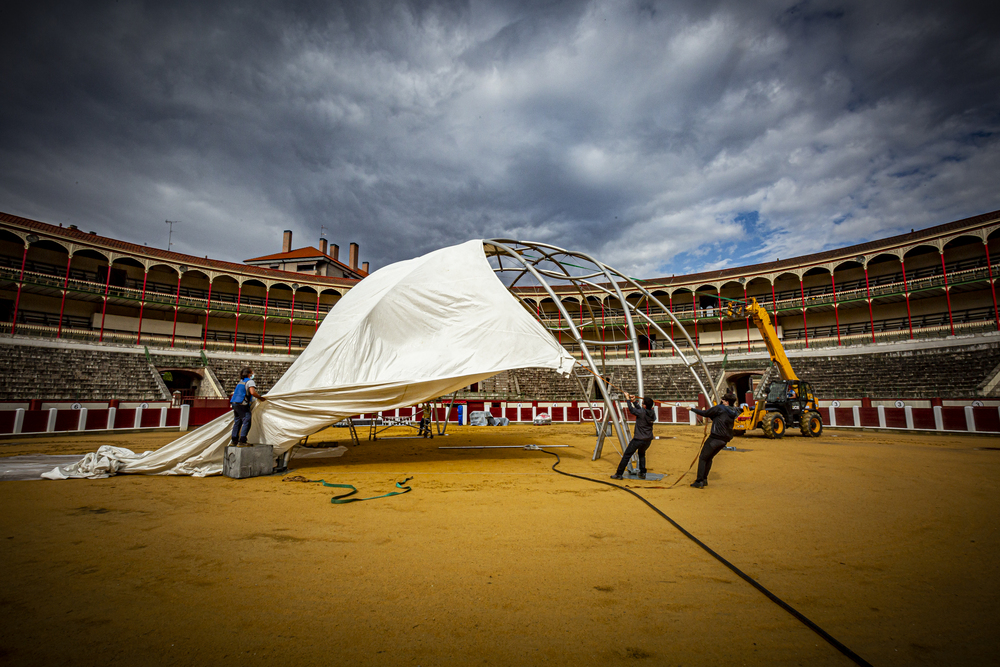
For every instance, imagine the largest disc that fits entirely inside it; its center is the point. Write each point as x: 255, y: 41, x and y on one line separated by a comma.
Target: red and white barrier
x: 57, y: 420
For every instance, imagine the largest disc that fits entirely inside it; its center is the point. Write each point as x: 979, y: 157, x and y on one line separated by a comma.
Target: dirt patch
x: 887, y: 541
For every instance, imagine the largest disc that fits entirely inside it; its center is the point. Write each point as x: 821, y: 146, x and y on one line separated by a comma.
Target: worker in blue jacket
x: 643, y: 435
x: 723, y: 417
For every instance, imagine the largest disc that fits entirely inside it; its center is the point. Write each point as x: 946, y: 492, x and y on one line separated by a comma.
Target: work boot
x: 641, y: 475
x: 699, y: 484
x: 616, y: 476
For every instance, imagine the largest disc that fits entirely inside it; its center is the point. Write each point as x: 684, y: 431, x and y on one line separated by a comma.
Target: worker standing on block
x: 644, y: 418
x: 723, y: 417
x: 242, y: 401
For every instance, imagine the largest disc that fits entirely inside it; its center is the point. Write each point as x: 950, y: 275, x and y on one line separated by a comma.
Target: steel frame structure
x: 547, y: 263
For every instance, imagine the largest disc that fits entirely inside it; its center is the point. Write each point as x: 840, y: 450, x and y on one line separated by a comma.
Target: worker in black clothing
x: 722, y: 417
x: 644, y: 418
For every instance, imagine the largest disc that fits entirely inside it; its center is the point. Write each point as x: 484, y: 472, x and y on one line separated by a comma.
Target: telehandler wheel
x: 811, y: 425
x: 773, y: 425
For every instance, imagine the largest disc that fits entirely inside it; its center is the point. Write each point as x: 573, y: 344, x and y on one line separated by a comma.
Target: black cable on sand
x: 740, y: 573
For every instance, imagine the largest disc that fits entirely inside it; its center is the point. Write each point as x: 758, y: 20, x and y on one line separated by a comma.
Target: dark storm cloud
x: 662, y: 137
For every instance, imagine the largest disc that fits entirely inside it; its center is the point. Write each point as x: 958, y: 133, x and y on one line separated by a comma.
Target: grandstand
x: 90, y: 318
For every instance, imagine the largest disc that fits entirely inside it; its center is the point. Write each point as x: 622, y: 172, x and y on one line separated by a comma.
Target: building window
x: 305, y: 267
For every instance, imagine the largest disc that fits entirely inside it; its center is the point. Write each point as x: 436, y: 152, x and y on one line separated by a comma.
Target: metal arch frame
x: 561, y: 257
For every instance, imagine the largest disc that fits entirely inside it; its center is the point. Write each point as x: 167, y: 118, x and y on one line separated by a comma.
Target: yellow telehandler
x: 790, y: 402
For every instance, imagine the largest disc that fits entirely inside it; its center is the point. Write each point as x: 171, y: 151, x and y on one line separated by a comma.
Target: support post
x: 104, y: 309
x: 81, y: 424
x: 239, y: 302
x: 993, y: 287
x: 868, y: 293
x: 263, y: 332
x: 50, y: 426
x: 906, y: 291
x: 20, y: 284
x: 18, y: 421
x: 185, y: 417
x: 62, y: 306
x: 947, y: 292
x: 142, y: 303
x: 208, y: 309
x: 177, y: 302
x: 836, y: 314
x: 805, y: 324
x: 291, y: 322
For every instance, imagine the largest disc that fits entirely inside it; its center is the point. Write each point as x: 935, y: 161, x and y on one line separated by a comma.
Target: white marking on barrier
x: 833, y: 415
x: 50, y: 426
x: 163, y: 417
x: 881, y: 416
x: 673, y: 414
x: 856, y: 412
x: 970, y: 419
x: 938, y: 418
x: 81, y: 425
x: 692, y: 418
x: 908, y: 413
x: 137, y: 422
x: 185, y: 418
x: 18, y: 420
x: 111, y: 418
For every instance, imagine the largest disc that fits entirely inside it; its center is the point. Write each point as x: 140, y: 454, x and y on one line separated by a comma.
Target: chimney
x: 354, y: 256
x: 322, y: 245
x: 335, y: 251
x: 364, y: 266
x: 286, y: 241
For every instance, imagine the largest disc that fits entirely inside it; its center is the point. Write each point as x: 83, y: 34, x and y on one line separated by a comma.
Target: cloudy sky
x: 662, y: 137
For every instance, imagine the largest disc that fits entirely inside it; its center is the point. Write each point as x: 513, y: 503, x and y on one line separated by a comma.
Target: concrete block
x: 243, y: 462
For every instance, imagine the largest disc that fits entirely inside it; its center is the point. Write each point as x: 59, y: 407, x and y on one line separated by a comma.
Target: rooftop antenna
x: 170, y: 235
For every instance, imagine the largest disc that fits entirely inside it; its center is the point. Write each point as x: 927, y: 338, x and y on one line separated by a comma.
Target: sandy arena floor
x: 889, y: 542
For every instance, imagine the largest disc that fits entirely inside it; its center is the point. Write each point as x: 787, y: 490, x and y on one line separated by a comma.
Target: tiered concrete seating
x: 266, y: 372
x: 951, y: 372
x: 72, y: 374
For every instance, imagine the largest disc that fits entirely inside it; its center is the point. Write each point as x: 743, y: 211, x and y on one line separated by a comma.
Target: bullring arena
x: 882, y: 531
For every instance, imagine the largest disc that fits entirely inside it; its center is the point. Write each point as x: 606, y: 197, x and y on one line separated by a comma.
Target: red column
x: 20, y: 282
x: 104, y: 310
x: 993, y: 288
x: 267, y: 295
x: 947, y: 294
x: 603, y: 338
x: 649, y: 343
x: 694, y: 302
x: 291, y: 322
x: 142, y: 303
x: 177, y: 301
x: 722, y: 336
x: 671, y: 307
x: 62, y: 307
x: 239, y: 302
x: 208, y: 308
x: 868, y: 292
x: 802, y: 293
x: 906, y: 291
x: 745, y: 301
x: 836, y: 314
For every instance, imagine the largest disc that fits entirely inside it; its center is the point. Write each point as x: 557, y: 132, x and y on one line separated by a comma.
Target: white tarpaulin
x: 407, y: 333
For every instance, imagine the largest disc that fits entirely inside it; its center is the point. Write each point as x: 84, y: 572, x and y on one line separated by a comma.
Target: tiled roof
x: 81, y: 238
x: 308, y: 252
